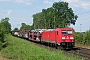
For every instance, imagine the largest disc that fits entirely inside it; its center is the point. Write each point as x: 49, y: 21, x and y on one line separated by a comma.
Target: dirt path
x: 2, y: 58
x: 83, y: 46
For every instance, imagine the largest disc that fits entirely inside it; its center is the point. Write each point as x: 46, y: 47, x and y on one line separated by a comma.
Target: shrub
x: 3, y: 43
x: 82, y: 38
x: 1, y: 39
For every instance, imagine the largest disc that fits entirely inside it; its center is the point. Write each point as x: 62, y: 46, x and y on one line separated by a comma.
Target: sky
x: 21, y: 11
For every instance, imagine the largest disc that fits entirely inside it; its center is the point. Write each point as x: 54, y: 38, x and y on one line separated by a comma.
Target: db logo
x: 67, y: 37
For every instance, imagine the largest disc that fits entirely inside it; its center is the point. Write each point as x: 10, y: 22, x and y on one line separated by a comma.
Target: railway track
x: 82, y: 52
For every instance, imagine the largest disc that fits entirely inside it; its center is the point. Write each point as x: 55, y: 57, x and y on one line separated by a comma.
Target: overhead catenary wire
x: 84, y: 13
x: 87, y: 12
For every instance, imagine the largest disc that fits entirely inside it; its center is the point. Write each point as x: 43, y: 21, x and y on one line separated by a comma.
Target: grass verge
x: 20, y: 49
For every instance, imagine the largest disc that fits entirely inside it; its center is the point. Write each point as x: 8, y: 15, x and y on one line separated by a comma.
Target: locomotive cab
x: 65, y: 37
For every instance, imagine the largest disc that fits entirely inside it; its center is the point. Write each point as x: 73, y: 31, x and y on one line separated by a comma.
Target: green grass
x: 20, y: 49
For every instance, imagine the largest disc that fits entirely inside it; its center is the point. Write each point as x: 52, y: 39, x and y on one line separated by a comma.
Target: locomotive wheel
x: 53, y: 45
x: 59, y: 47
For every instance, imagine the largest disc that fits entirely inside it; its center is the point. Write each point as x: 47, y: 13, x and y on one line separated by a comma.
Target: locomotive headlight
x: 63, y: 37
x: 71, y: 38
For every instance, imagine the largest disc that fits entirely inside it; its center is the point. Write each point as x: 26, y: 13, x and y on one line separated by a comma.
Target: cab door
x: 58, y: 37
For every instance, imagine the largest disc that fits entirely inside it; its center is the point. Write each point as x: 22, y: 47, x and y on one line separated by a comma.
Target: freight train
x: 60, y: 37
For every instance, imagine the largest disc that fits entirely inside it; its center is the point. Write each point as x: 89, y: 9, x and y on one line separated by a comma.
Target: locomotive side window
x: 66, y: 31
x: 69, y: 32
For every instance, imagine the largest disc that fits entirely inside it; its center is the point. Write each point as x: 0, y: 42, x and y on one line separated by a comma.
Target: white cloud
x: 5, y: 0
x: 79, y: 3
x: 19, y: 1
x: 86, y: 5
x: 71, y: 1
x: 47, y: 2
x: 27, y: 2
x: 9, y: 12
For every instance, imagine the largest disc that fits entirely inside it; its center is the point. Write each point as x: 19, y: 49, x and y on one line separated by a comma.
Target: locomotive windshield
x: 66, y: 32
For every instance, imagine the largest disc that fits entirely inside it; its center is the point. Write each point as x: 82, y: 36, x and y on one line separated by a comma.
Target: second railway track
x: 81, y: 52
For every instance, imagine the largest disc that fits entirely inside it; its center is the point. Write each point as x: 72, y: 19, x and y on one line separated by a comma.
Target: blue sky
x: 21, y: 11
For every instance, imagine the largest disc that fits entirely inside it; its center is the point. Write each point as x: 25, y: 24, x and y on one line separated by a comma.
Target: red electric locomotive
x: 61, y: 37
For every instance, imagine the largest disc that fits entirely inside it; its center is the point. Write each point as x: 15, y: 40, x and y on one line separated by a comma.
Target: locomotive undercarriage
x: 65, y: 45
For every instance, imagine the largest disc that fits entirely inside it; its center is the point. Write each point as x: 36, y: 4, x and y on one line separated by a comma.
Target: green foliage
x: 59, y: 15
x: 20, y: 49
x: 86, y: 37
x: 78, y: 37
x: 1, y: 39
x: 5, y: 27
x: 83, y: 38
x: 25, y: 27
x: 16, y: 29
x: 64, y: 14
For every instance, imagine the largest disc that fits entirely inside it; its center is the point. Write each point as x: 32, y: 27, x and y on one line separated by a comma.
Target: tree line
x: 24, y: 26
x: 59, y: 15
